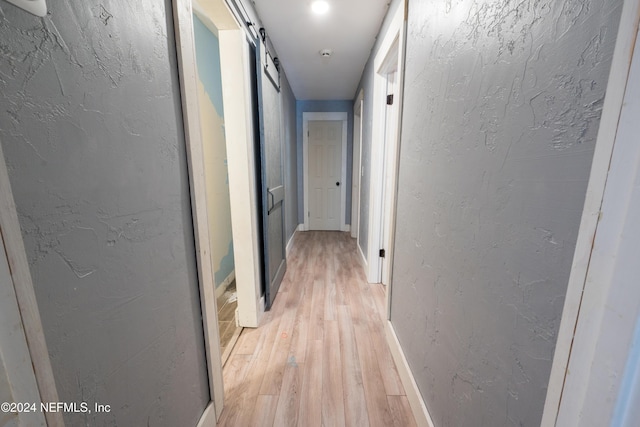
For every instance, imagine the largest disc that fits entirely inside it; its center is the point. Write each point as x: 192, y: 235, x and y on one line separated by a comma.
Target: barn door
x: 272, y: 181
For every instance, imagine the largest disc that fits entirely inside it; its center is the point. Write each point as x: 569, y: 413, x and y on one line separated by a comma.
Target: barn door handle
x: 269, y: 208
x: 338, y: 184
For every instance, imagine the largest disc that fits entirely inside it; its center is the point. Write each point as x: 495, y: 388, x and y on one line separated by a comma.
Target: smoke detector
x: 325, y: 53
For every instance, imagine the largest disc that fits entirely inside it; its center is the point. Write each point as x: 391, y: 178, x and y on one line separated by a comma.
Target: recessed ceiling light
x: 320, y: 7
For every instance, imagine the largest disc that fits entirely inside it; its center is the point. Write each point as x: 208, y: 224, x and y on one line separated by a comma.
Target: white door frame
x: 312, y: 116
x: 610, y: 306
x: 356, y: 166
x: 29, y: 315
x: 239, y: 139
x: 385, y: 153
x: 15, y: 359
x: 239, y: 126
x: 575, y: 313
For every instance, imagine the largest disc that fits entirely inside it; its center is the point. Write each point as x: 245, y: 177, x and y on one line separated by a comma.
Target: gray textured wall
x: 366, y: 84
x: 91, y: 127
x: 501, y: 111
x: 291, y: 157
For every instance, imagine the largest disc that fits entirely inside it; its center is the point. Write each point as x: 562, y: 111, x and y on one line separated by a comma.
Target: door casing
x: 581, y: 288
x: 356, y: 174
x: 324, y: 173
x: 315, y: 116
x: 385, y: 153
x: 239, y: 139
x: 20, y: 306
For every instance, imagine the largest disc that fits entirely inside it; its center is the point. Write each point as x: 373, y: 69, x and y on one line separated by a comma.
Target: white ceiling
x: 298, y: 35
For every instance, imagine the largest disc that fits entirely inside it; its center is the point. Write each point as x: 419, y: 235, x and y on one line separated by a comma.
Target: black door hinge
x: 382, y: 253
x: 390, y: 99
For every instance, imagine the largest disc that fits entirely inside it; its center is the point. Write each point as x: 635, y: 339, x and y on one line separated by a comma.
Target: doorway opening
x: 234, y: 99
x: 209, y: 83
x: 387, y: 101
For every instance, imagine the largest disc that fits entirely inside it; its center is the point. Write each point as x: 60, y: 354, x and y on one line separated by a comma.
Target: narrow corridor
x: 320, y: 356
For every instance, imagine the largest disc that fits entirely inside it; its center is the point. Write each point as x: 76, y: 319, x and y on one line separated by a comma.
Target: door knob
x: 338, y: 184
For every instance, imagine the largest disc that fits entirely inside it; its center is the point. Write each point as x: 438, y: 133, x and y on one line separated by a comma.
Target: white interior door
x: 325, y: 174
x: 391, y: 132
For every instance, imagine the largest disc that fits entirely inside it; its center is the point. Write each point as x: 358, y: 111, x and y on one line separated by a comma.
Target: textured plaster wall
x: 501, y: 111
x: 91, y: 127
x: 366, y: 85
x: 215, y: 150
x: 324, y: 107
x: 289, y: 135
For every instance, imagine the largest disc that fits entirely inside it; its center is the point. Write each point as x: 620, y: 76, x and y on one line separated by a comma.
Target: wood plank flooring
x: 319, y: 357
x: 229, y: 332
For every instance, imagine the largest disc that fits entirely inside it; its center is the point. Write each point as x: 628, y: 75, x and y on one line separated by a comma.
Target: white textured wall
x: 502, y: 106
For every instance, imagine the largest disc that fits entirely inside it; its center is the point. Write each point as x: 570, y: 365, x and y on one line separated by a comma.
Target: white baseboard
x: 418, y: 408
x: 363, y: 259
x: 290, y: 242
x: 346, y: 227
x: 300, y: 227
x: 225, y: 284
x: 208, y: 417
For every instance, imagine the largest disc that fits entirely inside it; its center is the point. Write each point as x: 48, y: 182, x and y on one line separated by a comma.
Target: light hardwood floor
x: 229, y: 332
x: 320, y: 357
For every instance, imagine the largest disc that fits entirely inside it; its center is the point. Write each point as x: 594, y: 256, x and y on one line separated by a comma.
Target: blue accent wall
x: 227, y: 265
x: 208, y: 63
x: 324, y: 107
x: 210, y: 75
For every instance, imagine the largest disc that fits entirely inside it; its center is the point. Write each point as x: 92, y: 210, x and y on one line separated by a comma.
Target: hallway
x: 320, y: 356
x: 152, y: 152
